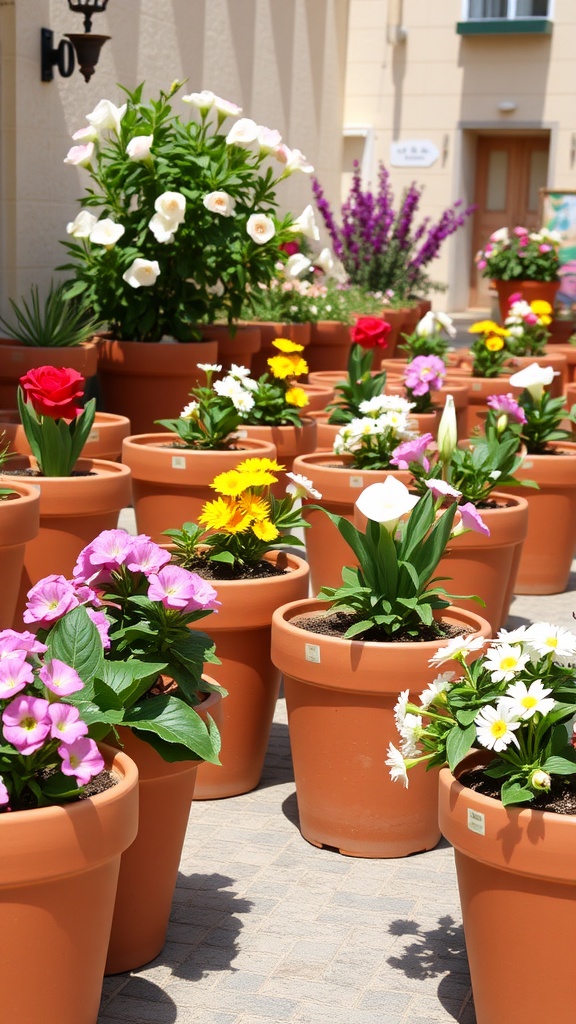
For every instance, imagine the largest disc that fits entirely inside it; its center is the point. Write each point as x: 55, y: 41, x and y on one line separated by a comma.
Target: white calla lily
x: 447, y: 430
x: 386, y: 502
x: 534, y: 379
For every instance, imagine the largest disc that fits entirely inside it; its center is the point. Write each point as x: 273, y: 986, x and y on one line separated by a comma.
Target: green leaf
x: 514, y: 792
x: 458, y: 744
x: 176, y: 723
x: 559, y: 766
x: 76, y: 641
x: 130, y: 679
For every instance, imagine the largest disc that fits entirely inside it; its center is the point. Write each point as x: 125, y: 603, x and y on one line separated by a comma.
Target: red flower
x: 290, y: 248
x: 54, y: 391
x: 371, y: 332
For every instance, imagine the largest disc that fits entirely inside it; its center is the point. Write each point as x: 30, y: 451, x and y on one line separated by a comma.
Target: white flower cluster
x: 383, y: 414
x: 238, y: 386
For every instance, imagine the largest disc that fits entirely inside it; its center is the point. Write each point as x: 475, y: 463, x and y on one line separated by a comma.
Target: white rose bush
x: 179, y: 221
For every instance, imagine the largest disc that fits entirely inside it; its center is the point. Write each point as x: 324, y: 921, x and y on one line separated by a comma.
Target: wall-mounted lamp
x: 507, y: 106
x: 86, y: 45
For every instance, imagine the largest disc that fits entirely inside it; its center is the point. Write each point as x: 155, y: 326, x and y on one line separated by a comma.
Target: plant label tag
x: 312, y: 653
x: 37, y: 487
x: 476, y: 822
x: 527, y: 464
x: 178, y: 462
x: 356, y: 481
x: 242, y: 434
x: 94, y: 435
x: 476, y: 387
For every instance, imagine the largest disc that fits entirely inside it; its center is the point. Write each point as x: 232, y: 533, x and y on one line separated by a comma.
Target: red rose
x: 371, y: 332
x: 290, y: 248
x: 54, y: 391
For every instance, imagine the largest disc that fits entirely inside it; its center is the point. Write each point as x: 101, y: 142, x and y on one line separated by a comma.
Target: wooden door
x: 509, y: 172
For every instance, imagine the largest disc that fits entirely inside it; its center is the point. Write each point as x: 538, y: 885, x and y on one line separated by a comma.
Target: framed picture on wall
x: 558, y: 213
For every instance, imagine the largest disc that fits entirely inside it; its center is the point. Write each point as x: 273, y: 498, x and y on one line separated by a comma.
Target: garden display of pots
x: 149, y: 867
x: 234, y: 346
x: 551, y: 538
x: 529, y: 290
x: 170, y: 483
x: 241, y: 632
x: 19, y: 524
x: 569, y: 353
x: 104, y: 440
x: 17, y: 359
x: 479, y: 390
x: 150, y: 381
x: 340, y: 696
x: 515, y: 866
x: 269, y: 331
x: 330, y: 344
x: 288, y: 440
x: 58, y: 881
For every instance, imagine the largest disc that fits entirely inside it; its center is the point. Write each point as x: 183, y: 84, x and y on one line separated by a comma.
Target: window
x: 509, y: 9
x: 484, y: 17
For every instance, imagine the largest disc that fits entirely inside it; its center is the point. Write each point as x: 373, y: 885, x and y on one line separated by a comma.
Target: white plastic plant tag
x: 476, y: 822
x: 94, y: 435
x: 476, y: 387
x: 527, y: 464
x: 242, y: 434
x: 178, y: 462
x: 356, y: 481
x: 312, y: 653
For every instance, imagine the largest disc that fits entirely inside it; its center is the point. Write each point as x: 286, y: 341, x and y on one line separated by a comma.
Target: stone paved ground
x: 267, y: 929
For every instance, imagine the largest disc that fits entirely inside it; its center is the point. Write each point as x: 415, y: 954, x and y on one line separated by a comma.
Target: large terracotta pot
x: 170, y: 484
x: 330, y: 344
x: 73, y: 510
x: 515, y: 866
x: 288, y: 440
x: 569, y: 353
x: 558, y: 362
x: 529, y: 290
x: 340, y: 485
x: 459, y: 393
x: 396, y: 318
x: 149, y: 868
x: 479, y: 390
x: 16, y: 359
x: 104, y: 440
x: 551, y: 538
x: 319, y: 396
x: 241, y: 631
x: 58, y: 876
x: 19, y: 524
x: 340, y: 696
x: 150, y: 381
x: 236, y: 347
x: 269, y: 331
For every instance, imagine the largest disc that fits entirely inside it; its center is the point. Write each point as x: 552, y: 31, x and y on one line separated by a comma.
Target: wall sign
x: 413, y: 153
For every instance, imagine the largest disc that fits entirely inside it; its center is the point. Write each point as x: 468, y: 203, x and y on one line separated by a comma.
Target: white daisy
x: 458, y: 646
x: 436, y: 687
x: 189, y: 411
x: 396, y: 764
x: 525, y: 701
x: 545, y: 638
x: 228, y: 388
x: 242, y: 401
x: 209, y: 367
x: 511, y: 636
x: 495, y: 727
x: 410, y: 734
x: 400, y: 709
x: 238, y: 371
x: 504, y: 661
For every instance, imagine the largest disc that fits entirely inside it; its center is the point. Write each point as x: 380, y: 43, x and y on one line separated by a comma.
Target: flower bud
x: 540, y: 780
x: 502, y: 423
x: 447, y: 431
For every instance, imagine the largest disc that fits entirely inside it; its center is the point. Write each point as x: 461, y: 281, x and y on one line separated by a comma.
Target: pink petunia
x: 145, y: 556
x: 11, y: 641
x: 67, y: 726
x: 508, y: 406
x: 108, y: 551
x: 102, y: 625
x: 4, y: 794
x: 26, y: 723
x: 81, y: 759
x: 177, y: 588
x: 412, y: 451
x: 424, y: 374
x: 15, y: 674
x: 49, y: 600
x: 440, y: 489
x: 60, y: 678
x: 472, y: 520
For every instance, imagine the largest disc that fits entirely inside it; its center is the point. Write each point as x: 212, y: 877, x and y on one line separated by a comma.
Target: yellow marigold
x: 297, y: 396
x: 544, y: 320
x: 231, y: 483
x: 488, y: 327
x: 281, y: 366
x: 218, y: 514
x: 541, y: 307
x: 299, y: 366
x: 255, y: 465
x: 254, y: 506
x: 266, y: 530
x: 494, y: 343
x: 259, y: 478
x: 285, y: 345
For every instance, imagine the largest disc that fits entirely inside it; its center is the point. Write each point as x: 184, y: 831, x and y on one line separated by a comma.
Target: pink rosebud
x: 482, y: 264
x: 180, y: 589
x: 531, y: 319
x: 521, y: 232
x: 81, y: 759
x: 67, y: 726
x: 60, y: 678
x: 515, y: 297
x: 544, y: 248
x: 26, y: 723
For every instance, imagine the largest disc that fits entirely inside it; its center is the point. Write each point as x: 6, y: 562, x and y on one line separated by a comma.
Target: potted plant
x: 341, y: 656
x: 483, y: 368
x: 179, y: 219
x: 68, y: 810
x: 172, y: 471
x: 519, y: 260
x: 78, y: 497
x: 528, y: 326
x: 127, y: 612
x: 236, y: 545
x: 507, y: 808
x: 19, y: 524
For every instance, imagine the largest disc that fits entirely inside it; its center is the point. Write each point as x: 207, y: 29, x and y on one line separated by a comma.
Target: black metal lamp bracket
x: 62, y: 56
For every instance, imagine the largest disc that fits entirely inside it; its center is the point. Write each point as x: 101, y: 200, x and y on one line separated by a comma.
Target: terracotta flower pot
x: 58, y: 881
x: 330, y: 344
x: 551, y: 538
x: 241, y: 631
x: 396, y: 318
x: 233, y: 347
x: 149, y: 868
x: 288, y: 440
x: 340, y: 696
x: 479, y: 390
x: 558, y: 362
x: 73, y: 510
x: 104, y: 440
x: 569, y: 353
x: 170, y: 484
x: 325, y: 431
x: 150, y: 381
x: 340, y: 485
x: 16, y: 359
x: 19, y: 524
x: 319, y: 396
x: 529, y: 290
x: 269, y: 331
x: 516, y: 881
x: 459, y: 393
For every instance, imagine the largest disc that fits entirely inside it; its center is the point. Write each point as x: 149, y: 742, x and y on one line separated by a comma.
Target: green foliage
x: 63, y: 321
x: 56, y: 444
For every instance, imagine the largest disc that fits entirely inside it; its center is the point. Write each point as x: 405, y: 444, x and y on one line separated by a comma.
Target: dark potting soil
x: 209, y: 570
x: 35, y: 473
x: 560, y: 800
x: 99, y: 784
x: 337, y: 623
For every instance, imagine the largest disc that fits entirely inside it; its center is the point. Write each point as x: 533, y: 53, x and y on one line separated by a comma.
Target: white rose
x: 106, y: 232
x: 81, y: 226
x: 260, y: 228
x: 139, y: 147
x: 172, y: 206
x: 306, y: 225
x: 142, y: 273
x: 106, y: 115
x: 243, y: 132
x: 80, y: 156
x: 220, y: 202
x: 162, y: 228
x: 204, y: 100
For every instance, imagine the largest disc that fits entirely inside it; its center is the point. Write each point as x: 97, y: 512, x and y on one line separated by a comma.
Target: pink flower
x: 102, y: 625
x: 60, y: 678
x: 412, y: 451
x: 472, y: 520
x: 145, y: 556
x: 49, y: 600
x: 521, y: 232
x: 67, y: 726
x: 424, y: 374
x: 531, y: 319
x: 11, y: 642
x: 482, y: 264
x: 515, y: 297
x: 15, y: 674
x: 508, y: 406
x: 179, y: 589
x: 544, y: 248
x: 81, y: 759
x: 26, y: 723
x: 4, y: 794
x: 108, y: 551
x: 440, y: 489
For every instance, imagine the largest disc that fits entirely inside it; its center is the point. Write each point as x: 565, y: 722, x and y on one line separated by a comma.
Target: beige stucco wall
x: 443, y: 87
x: 283, y: 62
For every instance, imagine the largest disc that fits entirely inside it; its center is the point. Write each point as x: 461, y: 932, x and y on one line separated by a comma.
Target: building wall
x: 283, y: 62
x: 443, y: 87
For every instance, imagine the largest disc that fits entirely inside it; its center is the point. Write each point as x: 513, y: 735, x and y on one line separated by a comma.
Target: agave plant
x: 59, y: 323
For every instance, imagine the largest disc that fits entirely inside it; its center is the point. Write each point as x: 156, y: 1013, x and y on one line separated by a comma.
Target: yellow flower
x: 266, y: 530
x: 544, y: 320
x: 281, y: 366
x: 254, y: 506
x: 299, y: 366
x: 218, y: 514
x: 494, y: 343
x: 230, y: 483
x: 297, y: 396
x: 541, y: 307
x: 484, y: 327
x: 285, y: 345
x: 259, y: 478
x: 255, y: 465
